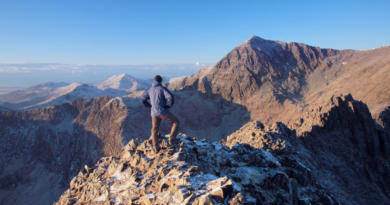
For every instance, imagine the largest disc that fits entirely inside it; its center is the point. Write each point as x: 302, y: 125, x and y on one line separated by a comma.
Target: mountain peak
x: 124, y: 82
x: 119, y: 75
x: 253, y: 38
x: 253, y: 41
x: 123, y: 75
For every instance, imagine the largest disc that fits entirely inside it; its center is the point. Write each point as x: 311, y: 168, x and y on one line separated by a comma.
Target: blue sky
x: 145, y: 32
x: 175, y: 32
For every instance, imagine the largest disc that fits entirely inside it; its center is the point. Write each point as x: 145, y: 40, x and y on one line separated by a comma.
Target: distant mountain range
x: 55, y: 93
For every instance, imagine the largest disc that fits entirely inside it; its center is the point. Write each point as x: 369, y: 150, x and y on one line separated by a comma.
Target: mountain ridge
x: 36, y: 91
x: 291, y: 76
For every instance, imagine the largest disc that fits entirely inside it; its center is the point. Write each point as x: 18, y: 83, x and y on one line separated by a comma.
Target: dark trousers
x: 156, y: 121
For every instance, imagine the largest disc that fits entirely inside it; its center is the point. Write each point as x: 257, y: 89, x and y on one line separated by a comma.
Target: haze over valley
x: 19, y: 76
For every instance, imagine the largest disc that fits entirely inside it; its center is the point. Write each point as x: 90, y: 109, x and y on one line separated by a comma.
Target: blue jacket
x: 160, y: 99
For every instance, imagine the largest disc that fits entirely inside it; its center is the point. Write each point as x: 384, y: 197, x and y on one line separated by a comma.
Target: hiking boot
x: 156, y: 150
x: 174, y: 142
x: 160, y: 136
x: 171, y: 150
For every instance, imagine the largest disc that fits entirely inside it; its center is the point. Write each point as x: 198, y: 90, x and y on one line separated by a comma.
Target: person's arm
x: 170, y: 100
x: 145, y: 98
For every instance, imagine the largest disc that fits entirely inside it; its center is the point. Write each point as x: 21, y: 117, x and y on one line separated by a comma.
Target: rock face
x: 197, y: 173
x: 384, y: 119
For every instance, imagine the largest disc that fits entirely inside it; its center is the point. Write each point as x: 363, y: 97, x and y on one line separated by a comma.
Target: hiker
x: 161, y: 99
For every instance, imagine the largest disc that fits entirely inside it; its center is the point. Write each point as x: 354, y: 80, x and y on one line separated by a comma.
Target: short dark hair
x: 158, y: 78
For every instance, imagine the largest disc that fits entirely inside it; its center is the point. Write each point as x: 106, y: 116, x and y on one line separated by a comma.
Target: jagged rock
x: 237, y: 200
x: 345, y: 140
x: 148, y: 199
x: 273, y: 137
x: 194, y: 174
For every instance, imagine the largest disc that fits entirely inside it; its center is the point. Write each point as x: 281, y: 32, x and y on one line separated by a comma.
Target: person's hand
x: 167, y: 107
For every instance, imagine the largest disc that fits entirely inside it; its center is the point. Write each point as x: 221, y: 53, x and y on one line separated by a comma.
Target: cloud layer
x: 27, y: 74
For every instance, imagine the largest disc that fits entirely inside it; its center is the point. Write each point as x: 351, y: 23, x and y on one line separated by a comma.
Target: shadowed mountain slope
x: 339, y: 142
x: 344, y: 138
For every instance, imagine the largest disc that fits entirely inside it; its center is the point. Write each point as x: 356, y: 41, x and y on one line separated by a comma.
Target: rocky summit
x: 197, y: 173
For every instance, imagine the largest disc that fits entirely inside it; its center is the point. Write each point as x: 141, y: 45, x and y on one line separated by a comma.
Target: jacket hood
x: 156, y: 83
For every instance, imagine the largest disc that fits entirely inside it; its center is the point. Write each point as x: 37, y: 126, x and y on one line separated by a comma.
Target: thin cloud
x: 35, y: 73
x: 13, y: 69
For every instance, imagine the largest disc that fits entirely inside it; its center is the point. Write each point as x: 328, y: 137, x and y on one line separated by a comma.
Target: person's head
x: 158, y: 78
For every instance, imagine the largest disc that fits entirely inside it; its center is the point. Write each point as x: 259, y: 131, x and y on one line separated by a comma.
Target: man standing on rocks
x: 161, y: 99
